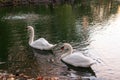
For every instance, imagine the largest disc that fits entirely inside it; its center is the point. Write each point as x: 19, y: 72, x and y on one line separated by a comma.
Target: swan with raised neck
x: 40, y: 43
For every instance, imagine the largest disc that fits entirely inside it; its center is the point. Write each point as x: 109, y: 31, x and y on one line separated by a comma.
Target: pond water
x: 89, y: 26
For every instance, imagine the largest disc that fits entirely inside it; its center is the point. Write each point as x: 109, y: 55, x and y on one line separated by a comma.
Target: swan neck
x: 70, y: 50
x: 31, y: 36
x: 65, y: 54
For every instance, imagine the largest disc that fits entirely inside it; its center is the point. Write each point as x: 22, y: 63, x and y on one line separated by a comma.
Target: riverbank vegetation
x: 33, y: 2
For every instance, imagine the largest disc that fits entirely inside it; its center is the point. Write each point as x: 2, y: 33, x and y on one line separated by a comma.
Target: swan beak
x: 62, y: 48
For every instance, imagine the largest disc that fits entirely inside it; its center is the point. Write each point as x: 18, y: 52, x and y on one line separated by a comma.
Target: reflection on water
x: 106, y: 44
x: 91, y: 26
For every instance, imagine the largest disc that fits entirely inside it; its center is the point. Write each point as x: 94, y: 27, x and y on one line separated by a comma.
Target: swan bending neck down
x: 40, y: 43
x: 75, y: 59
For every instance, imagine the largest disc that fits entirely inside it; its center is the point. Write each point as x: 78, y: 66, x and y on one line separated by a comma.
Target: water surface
x: 90, y: 26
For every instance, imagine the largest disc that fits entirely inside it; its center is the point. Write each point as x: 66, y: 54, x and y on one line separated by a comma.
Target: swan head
x: 67, y: 46
x: 29, y: 28
x: 66, y: 49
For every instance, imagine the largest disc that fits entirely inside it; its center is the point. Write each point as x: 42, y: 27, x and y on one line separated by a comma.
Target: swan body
x: 40, y: 43
x: 75, y: 59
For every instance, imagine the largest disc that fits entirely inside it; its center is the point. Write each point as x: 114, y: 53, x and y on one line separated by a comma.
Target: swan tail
x: 53, y: 46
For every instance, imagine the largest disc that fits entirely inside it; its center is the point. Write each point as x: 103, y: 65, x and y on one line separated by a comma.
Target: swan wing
x: 42, y: 44
x: 78, y: 60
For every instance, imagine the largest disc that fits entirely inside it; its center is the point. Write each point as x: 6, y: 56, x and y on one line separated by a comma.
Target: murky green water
x: 90, y: 26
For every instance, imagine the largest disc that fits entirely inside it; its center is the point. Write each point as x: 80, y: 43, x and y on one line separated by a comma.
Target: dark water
x: 90, y: 26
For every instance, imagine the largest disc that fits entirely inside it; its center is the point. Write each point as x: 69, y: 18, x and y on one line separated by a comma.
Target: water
x: 90, y: 26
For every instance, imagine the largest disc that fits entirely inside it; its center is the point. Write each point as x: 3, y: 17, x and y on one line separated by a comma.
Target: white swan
x: 40, y: 43
x: 75, y: 59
